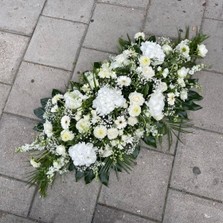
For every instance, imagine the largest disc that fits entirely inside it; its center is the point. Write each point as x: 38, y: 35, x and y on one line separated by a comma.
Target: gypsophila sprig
x: 143, y: 93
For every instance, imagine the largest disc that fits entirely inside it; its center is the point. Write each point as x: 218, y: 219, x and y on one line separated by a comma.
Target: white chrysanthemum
x: 153, y: 51
x: 65, y: 122
x: 134, y: 110
x: 123, y: 81
x: 139, y: 35
x: 171, y: 98
x: 120, y: 122
x: 112, y: 133
x: 165, y: 72
x: 136, y: 98
x: 107, y: 100
x: 182, y: 72
x: 144, y: 61
x: 56, y: 98
x: 61, y: 150
x: 34, y: 163
x: 132, y: 121
x: 83, y: 154
x: 201, y: 50
x: 73, y: 100
x: 156, y: 105
x: 183, y: 48
x: 183, y: 95
x: 167, y: 48
x: 66, y: 135
x: 100, y: 131
x: 48, y: 128
x: 83, y: 125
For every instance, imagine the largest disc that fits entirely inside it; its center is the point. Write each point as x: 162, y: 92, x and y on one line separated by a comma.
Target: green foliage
x: 39, y: 112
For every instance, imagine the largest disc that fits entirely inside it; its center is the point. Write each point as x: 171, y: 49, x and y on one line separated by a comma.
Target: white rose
x: 83, y: 154
x: 134, y: 110
x: 202, y: 50
x: 136, y: 98
x: 132, y: 121
x: 100, y: 132
x: 83, y: 125
x: 144, y: 61
x: 183, y: 95
x: 112, y: 133
x: 156, y: 105
x: 73, y: 100
x: 48, y: 128
x: 65, y: 122
x: 167, y: 48
x: 61, y: 150
x: 139, y: 35
x: 66, y: 135
x: 182, y: 72
x: 147, y: 72
x: 161, y: 87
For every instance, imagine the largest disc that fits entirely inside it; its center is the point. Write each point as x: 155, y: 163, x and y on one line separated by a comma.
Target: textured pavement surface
x: 46, y: 43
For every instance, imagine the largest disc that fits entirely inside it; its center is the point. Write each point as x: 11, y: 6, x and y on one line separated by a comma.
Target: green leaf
x: 89, y: 176
x: 193, y: 95
x: 145, y: 90
x: 79, y: 175
x: 44, y: 101
x: 71, y: 166
x: 152, y: 39
x: 104, y: 177
x: 39, y: 112
x: 38, y: 127
x: 97, y: 65
x: 190, y: 105
x: 136, y: 152
x: 150, y: 140
x: 55, y: 92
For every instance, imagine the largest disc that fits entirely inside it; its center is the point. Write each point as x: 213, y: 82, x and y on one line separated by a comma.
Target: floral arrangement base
x: 143, y: 93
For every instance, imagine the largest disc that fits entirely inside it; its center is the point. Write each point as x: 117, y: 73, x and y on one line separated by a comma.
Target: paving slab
x: 86, y: 61
x: 67, y: 201
x: 214, y: 9
x: 142, y: 191
x: 107, y: 215
x: 17, y: 132
x: 15, y: 196
x: 20, y: 15
x: 33, y: 83
x: 166, y: 17
x: 110, y: 22
x: 184, y: 208
x: 4, y: 91
x: 78, y: 10
x: 9, y: 218
x: 198, y: 164
x: 209, y: 117
x: 55, y: 43
x: 128, y: 3
x: 214, y: 29
x: 12, y: 48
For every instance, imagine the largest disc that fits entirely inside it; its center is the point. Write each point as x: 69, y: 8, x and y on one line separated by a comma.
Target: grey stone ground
x: 44, y: 44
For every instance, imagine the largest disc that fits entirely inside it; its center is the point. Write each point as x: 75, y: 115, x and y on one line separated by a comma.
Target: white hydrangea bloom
x: 202, y: 50
x: 65, y: 122
x: 107, y: 100
x: 156, y: 105
x: 83, y: 154
x: 153, y: 51
x: 48, y: 128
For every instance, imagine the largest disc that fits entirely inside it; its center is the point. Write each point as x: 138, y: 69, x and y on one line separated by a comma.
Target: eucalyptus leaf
x: 39, y: 112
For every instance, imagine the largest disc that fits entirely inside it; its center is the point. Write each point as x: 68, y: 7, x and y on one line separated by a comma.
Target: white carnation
x: 65, y: 122
x: 202, y: 50
x: 83, y: 154
x: 136, y: 98
x: 156, y: 105
x: 112, y: 133
x: 123, y: 81
x: 107, y: 100
x: 48, y: 128
x: 139, y: 35
x: 153, y: 51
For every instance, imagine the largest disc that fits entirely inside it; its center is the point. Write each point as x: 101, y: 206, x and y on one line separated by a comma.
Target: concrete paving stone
x: 184, y: 208
x: 4, y: 91
x: 214, y: 29
x: 166, y: 17
x: 142, y: 191
x: 15, y: 196
x: 12, y: 48
x: 111, y: 22
x: 9, y: 218
x: 55, y: 43
x: 129, y: 3
x: 107, y: 215
x: 86, y: 61
x: 33, y: 83
x: 17, y: 132
x: 20, y: 15
x: 210, y: 117
x: 198, y: 165
x: 78, y: 10
x: 67, y: 201
x: 214, y: 9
